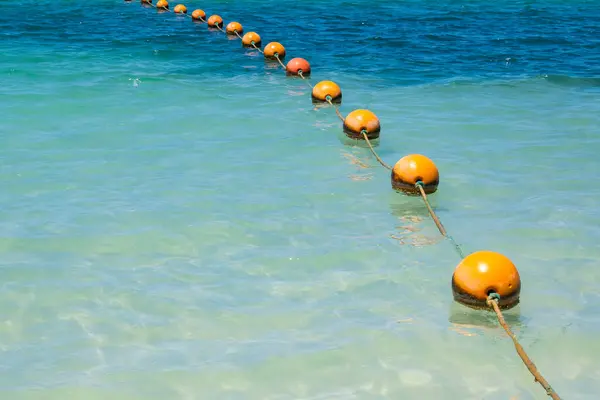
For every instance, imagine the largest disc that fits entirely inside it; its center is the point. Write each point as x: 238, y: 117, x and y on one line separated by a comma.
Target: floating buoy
x: 297, y: 66
x: 325, y: 90
x: 234, y: 28
x: 146, y: 1
x: 180, y: 9
x: 162, y: 5
x: 361, y: 120
x: 215, y: 21
x: 414, y: 168
x: 274, y: 50
x: 199, y: 15
x: 484, y: 272
x: 251, y: 39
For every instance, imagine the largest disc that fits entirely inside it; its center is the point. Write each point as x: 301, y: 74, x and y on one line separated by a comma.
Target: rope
x: 437, y: 221
x: 492, y: 301
x: 279, y: 61
x: 257, y: 48
x: 304, y: 79
x: 337, y: 109
x: 238, y: 35
x: 364, y: 133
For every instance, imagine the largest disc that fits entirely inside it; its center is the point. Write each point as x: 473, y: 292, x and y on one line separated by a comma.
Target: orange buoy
x: 162, y: 5
x: 180, y: 9
x: 215, y: 21
x: 251, y: 39
x: 199, y: 15
x: 484, y: 272
x: 146, y: 1
x: 274, y: 50
x: 361, y: 120
x: 297, y: 66
x: 325, y: 90
x: 414, y: 168
x: 234, y: 28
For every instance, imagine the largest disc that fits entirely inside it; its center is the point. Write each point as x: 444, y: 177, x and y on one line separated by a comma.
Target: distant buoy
x: 215, y: 21
x: 199, y: 15
x: 162, y: 5
x: 414, y: 168
x: 180, y: 9
x: 251, y: 39
x: 297, y: 66
x: 146, y: 1
x: 482, y: 273
x: 233, y: 28
x: 361, y: 120
x: 326, y: 90
x: 274, y: 50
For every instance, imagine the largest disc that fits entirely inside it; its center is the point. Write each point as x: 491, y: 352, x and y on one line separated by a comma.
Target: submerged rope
x: 364, y: 133
x: 492, y: 301
x: 337, y: 109
x: 279, y: 60
x: 305, y: 79
x: 257, y: 48
x: 438, y: 223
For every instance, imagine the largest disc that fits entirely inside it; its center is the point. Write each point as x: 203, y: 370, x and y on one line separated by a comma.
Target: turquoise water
x: 178, y: 221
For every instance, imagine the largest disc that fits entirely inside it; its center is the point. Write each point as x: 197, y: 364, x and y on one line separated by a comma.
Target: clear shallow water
x: 178, y: 221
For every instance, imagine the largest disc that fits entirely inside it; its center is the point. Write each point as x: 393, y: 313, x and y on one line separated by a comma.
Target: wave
x: 518, y: 81
x: 573, y: 81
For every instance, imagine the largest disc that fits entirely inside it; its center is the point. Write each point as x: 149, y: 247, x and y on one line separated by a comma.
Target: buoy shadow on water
x: 469, y: 317
x: 412, y: 226
x: 348, y: 141
x: 407, y: 208
x: 271, y: 64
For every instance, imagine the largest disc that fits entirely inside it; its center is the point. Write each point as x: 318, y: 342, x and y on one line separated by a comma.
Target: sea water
x: 178, y: 221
